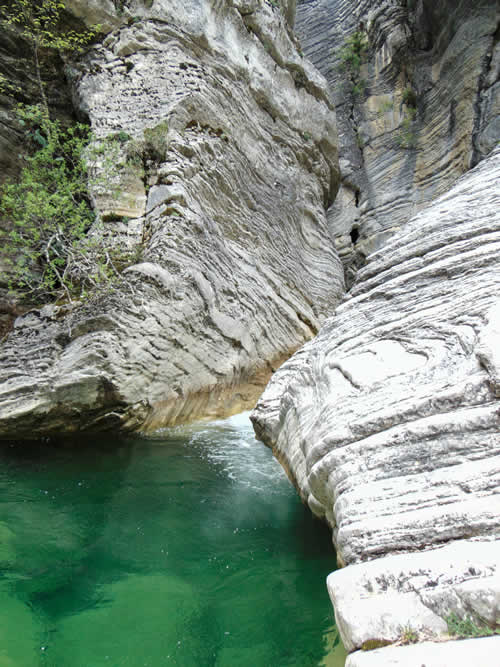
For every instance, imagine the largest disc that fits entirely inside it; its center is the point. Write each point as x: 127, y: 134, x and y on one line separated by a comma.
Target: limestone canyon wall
x: 388, y: 424
x: 423, y: 108
x: 236, y: 269
x: 388, y: 421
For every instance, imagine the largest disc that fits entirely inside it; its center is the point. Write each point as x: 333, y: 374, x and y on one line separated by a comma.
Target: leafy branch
x: 352, y: 56
x: 39, y: 23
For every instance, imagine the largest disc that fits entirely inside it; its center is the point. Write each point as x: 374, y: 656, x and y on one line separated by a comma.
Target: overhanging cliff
x: 237, y: 268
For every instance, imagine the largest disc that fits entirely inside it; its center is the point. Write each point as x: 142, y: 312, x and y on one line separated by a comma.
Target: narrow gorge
x: 307, y: 200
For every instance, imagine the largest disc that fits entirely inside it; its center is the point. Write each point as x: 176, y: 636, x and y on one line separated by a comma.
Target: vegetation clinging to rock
x: 467, y: 627
x: 40, y: 25
x: 48, y: 213
x: 352, y: 56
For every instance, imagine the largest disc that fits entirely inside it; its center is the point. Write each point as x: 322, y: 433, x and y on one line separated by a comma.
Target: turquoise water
x: 191, y: 549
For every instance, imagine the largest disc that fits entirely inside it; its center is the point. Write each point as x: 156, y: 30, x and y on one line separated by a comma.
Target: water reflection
x: 187, y: 549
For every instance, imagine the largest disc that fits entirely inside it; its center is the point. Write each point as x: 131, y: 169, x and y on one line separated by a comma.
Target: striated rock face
x: 226, y: 209
x: 388, y: 422
x: 370, y: 417
x: 423, y: 107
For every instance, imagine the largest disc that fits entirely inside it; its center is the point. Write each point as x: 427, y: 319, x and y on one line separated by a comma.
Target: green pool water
x: 189, y: 549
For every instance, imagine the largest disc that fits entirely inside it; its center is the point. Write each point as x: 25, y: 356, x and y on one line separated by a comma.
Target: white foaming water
x: 231, y: 443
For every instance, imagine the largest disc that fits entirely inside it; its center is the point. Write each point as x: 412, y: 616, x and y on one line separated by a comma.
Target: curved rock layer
x: 388, y: 422
x: 228, y: 214
x: 422, y: 109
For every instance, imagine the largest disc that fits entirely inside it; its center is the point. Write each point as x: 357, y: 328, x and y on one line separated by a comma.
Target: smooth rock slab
x: 483, y: 652
x: 377, y: 601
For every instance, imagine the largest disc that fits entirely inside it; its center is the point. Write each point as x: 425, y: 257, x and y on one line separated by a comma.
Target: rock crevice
x: 419, y: 110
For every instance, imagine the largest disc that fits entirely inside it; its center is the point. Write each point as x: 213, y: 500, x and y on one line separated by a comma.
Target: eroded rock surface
x: 423, y: 107
x: 410, y: 596
x: 388, y: 422
x: 227, y: 212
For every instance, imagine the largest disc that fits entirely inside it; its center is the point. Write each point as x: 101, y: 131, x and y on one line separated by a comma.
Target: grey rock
x: 383, y: 600
x: 236, y: 268
x: 388, y: 421
x: 399, y: 159
x: 98, y: 12
x: 159, y: 194
x: 388, y: 424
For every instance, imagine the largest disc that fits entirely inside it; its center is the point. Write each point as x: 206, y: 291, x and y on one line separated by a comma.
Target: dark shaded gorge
x: 189, y: 549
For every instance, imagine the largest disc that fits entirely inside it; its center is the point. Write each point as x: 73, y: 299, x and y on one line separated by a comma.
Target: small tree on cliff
x: 39, y: 23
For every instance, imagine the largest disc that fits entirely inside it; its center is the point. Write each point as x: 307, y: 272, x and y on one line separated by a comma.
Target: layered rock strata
x: 225, y: 208
x: 420, y: 108
x: 388, y: 422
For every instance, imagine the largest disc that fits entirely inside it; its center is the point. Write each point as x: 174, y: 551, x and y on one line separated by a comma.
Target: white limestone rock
x: 464, y: 653
x: 377, y: 602
x: 388, y: 421
x: 488, y: 349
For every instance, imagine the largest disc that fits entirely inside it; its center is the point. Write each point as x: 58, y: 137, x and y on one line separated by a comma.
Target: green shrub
x: 153, y: 145
x: 47, y: 213
x: 408, y: 635
x: 40, y: 24
x: 7, y: 87
x: 352, y: 56
x: 360, y: 142
x: 387, y: 105
x: 353, y: 53
x: 156, y: 142
x: 122, y: 137
x: 407, y: 136
x: 358, y: 88
x: 409, y: 97
x: 467, y: 627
